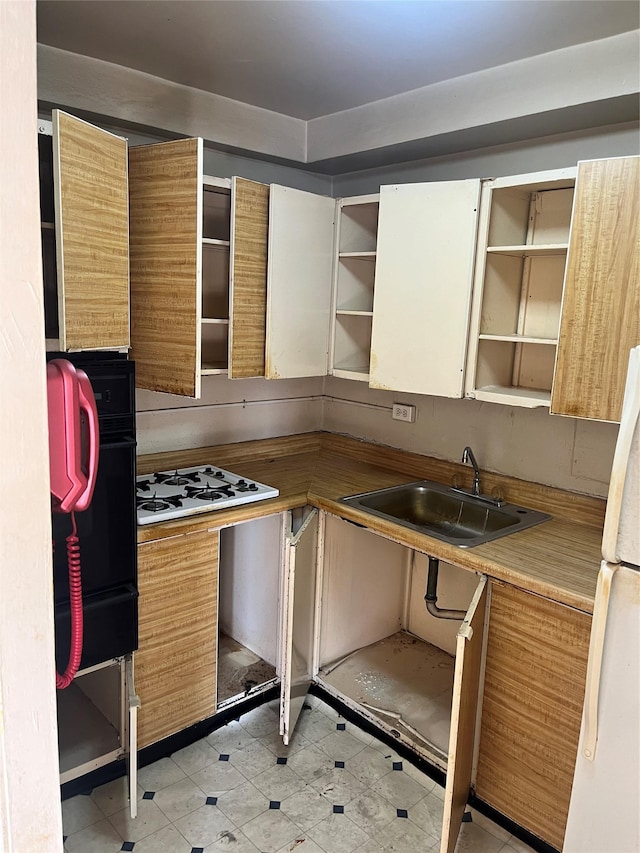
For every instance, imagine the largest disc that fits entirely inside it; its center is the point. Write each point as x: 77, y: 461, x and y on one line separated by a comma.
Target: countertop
x: 559, y: 559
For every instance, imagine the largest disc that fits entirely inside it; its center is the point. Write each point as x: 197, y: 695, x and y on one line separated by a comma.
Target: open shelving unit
x: 522, y: 248
x: 216, y: 243
x: 354, y: 279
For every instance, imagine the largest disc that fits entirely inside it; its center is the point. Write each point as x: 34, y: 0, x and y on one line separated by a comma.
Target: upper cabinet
x: 85, y: 235
x: 198, y: 270
x: 601, y: 307
x: 354, y: 273
x: 423, y: 280
x: 523, y: 237
x: 299, y: 283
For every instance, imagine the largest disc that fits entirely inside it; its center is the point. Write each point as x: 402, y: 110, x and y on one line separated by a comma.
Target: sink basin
x: 445, y: 513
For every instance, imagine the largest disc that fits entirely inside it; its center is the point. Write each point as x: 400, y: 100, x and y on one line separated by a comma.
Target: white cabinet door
x: 300, y: 259
x: 300, y: 552
x: 424, y: 271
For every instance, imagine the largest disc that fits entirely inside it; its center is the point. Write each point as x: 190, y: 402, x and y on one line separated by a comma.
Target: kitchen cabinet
x: 601, y: 305
x: 535, y: 671
x: 198, y: 270
x: 356, y: 237
x: 523, y: 236
x: 415, y: 676
x: 395, y: 311
x: 423, y: 281
x: 85, y: 235
x: 97, y: 722
x: 209, y: 622
x: 175, y: 664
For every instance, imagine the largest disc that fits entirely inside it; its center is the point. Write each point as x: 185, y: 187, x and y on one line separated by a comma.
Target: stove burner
x: 177, y: 479
x: 143, y: 485
x: 155, y: 504
x: 208, y: 494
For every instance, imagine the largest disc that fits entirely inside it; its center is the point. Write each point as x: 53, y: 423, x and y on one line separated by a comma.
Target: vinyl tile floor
x: 334, y: 789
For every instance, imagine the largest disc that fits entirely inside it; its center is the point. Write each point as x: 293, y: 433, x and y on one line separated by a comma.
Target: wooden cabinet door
x: 600, y: 319
x: 298, y: 621
x: 92, y: 235
x: 536, y: 664
x: 175, y: 665
x: 298, y: 283
x: 466, y: 681
x: 165, y: 189
x: 424, y: 272
x: 248, y: 278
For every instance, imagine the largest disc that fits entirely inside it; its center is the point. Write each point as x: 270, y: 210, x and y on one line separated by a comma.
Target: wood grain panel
x: 601, y: 308
x: 469, y: 642
x: 175, y: 665
x: 165, y: 188
x: 533, y: 692
x: 248, y: 299
x: 92, y: 235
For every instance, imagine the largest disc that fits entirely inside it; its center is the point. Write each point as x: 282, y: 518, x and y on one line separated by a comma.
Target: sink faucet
x: 467, y: 456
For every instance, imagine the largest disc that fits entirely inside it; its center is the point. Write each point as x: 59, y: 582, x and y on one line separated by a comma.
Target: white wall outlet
x: 403, y: 412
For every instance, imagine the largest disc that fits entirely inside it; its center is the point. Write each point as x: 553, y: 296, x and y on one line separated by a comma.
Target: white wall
x: 529, y: 444
x: 29, y: 782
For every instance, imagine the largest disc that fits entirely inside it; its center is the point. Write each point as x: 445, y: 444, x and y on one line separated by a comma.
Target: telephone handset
x: 73, y: 462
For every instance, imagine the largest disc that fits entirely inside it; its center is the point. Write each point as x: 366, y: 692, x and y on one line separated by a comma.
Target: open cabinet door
x: 92, y: 235
x: 422, y: 292
x: 165, y: 189
x: 300, y: 557
x: 298, y: 283
x: 248, y: 278
x: 466, y: 681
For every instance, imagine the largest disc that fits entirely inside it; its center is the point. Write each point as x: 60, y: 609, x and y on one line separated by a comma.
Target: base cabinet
x: 536, y: 660
x: 175, y: 664
x: 97, y: 722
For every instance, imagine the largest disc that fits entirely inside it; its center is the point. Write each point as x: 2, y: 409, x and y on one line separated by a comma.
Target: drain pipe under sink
x: 431, y: 595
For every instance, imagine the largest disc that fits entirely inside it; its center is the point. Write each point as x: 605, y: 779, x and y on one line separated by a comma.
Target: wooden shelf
x: 213, y: 369
x: 519, y: 339
x: 216, y: 244
x: 530, y: 249
x: 527, y: 397
x: 347, y: 312
x: 219, y: 321
x: 361, y: 256
x: 358, y: 372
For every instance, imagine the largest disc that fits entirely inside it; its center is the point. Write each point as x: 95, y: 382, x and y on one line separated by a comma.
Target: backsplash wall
x: 529, y: 444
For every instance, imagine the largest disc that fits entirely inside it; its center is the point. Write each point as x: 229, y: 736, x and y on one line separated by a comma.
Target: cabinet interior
x: 91, y: 720
x: 354, y: 279
x: 379, y: 647
x: 216, y: 236
x: 249, y: 587
x: 522, y: 250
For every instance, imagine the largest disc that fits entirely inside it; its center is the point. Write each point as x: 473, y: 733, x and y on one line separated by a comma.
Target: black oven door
x: 107, y: 538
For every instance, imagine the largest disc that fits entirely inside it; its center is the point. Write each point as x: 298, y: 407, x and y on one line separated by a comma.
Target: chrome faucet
x: 467, y: 456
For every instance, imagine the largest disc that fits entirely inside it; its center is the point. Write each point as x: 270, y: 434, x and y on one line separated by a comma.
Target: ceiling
x: 311, y: 58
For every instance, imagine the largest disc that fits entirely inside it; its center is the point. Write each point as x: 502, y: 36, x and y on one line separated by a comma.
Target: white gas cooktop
x: 187, y: 491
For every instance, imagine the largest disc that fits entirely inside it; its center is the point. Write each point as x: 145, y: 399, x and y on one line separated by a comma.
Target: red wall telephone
x: 73, y: 462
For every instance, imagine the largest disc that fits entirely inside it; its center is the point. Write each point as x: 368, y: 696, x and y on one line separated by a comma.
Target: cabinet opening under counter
x: 379, y: 649
x: 249, y: 582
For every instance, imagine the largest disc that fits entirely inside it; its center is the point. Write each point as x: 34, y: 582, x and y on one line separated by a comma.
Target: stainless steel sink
x: 446, y: 513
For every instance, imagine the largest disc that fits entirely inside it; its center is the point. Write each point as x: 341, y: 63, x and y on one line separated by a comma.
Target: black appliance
x: 107, y: 529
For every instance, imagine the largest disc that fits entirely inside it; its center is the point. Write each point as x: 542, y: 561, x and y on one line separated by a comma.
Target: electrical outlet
x: 403, y: 412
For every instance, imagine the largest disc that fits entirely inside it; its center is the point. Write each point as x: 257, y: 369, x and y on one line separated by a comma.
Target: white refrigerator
x: 604, y: 814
